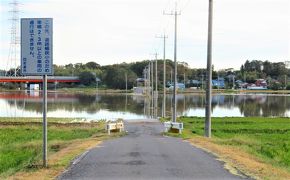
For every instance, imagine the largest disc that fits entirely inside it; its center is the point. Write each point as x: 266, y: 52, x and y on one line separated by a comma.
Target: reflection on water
x: 100, y: 106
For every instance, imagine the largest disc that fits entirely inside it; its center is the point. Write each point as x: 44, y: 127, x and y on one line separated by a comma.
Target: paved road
x: 145, y: 154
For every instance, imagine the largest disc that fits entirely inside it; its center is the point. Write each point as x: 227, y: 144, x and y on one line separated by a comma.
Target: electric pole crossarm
x: 172, y: 13
x: 162, y: 36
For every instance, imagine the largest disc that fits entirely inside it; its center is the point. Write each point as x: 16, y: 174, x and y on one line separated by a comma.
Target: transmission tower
x: 12, y: 68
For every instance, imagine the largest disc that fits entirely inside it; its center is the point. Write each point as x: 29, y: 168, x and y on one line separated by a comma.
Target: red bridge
x: 38, y: 79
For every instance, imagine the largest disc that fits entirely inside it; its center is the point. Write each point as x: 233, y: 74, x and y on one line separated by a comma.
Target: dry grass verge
x: 57, y: 162
x: 238, y: 159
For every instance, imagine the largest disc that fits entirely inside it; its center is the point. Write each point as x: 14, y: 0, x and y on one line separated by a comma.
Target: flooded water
x: 102, y: 106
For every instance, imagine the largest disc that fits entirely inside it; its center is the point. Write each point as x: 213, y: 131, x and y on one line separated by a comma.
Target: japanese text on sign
x: 36, y: 46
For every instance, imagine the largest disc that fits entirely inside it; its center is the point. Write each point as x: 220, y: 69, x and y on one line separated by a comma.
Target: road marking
x: 80, y: 157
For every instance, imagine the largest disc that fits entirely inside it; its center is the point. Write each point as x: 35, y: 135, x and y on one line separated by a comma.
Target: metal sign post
x: 44, y: 123
x: 36, y: 59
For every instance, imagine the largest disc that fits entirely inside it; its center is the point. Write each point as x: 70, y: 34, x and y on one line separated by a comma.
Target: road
x: 145, y: 154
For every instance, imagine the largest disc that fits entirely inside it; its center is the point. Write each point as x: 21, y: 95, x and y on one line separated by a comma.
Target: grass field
x: 21, y: 141
x: 266, y: 138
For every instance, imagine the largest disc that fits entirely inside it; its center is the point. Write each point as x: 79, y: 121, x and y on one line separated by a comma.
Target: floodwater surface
x: 113, y: 106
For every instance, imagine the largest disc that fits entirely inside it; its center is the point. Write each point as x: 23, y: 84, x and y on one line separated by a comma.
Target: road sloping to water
x: 146, y: 154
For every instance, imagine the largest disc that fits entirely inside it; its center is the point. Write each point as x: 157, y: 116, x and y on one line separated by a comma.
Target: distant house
x: 254, y: 87
x: 193, y: 83
x: 239, y: 83
x: 140, y: 82
x: 34, y: 87
x: 244, y: 85
x: 220, y: 82
x: 98, y: 79
x: 180, y: 86
x: 260, y: 84
x: 141, y: 89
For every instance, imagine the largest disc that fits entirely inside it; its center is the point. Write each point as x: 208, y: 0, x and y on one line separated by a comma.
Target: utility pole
x: 149, y: 88
x: 152, y: 86
x: 287, y: 64
x: 201, y: 81
x: 156, y: 85
x: 149, y: 80
x: 207, y: 129
x: 156, y: 75
x: 126, y: 82
x: 164, y: 74
x: 233, y: 81
x: 218, y: 80
x: 175, y: 14
x: 171, y: 77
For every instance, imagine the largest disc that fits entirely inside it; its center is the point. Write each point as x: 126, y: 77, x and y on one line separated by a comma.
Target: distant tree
x: 92, y: 65
x: 254, y: 65
x: 288, y: 86
x: 182, y: 69
x: 247, y: 66
x: 251, y: 77
x: 214, y: 74
x: 79, y: 67
x: 69, y: 66
x: 11, y: 72
x: 87, y: 78
x: 267, y: 67
x: 2, y: 72
x: 242, y: 69
x: 278, y: 69
x: 275, y: 86
x: 115, y: 77
x: 138, y: 67
x: 60, y: 70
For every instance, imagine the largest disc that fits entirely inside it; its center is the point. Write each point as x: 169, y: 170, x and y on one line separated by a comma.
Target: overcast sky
x: 116, y: 31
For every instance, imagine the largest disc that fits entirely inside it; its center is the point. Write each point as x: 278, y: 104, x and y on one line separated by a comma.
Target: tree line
x: 114, y: 76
